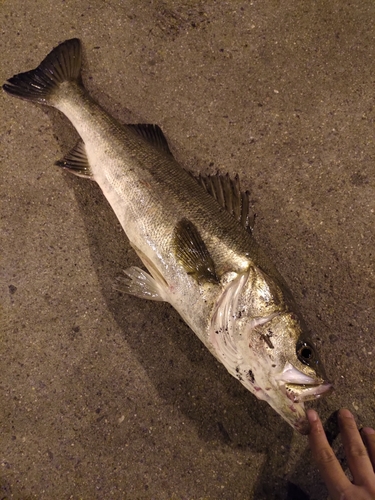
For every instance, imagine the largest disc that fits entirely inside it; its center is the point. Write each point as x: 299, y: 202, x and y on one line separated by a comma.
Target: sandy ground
x: 108, y: 396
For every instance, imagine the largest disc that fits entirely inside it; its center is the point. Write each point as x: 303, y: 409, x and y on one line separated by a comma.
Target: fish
x: 193, y: 234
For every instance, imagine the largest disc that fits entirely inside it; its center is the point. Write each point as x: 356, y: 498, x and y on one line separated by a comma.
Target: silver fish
x: 193, y: 236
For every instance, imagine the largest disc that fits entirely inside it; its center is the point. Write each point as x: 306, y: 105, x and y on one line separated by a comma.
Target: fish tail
x: 62, y: 64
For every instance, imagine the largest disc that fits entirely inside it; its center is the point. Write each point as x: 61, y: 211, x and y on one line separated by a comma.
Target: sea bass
x: 193, y: 236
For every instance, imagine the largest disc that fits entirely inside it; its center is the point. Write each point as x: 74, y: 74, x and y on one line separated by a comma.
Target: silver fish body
x: 194, y: 240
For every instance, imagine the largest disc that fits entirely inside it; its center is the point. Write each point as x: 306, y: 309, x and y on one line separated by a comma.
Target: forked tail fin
x: 62, y: 64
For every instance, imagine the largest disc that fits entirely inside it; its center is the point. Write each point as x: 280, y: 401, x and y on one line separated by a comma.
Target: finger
x: 368, y: 436
x: 329, y: 467
x: 355, y: 450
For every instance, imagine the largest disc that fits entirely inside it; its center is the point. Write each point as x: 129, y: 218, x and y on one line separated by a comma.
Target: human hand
x: 360, y: 456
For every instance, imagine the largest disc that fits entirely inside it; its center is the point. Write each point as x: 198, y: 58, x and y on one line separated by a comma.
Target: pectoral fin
x: 139, y: 283
x: 192, y: 253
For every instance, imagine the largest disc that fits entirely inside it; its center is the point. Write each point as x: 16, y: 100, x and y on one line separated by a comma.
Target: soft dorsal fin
x: 228, y: 194
x: 152, y: 134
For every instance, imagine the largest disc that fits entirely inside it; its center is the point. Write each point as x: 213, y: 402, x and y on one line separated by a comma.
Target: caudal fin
x: 62, y: 64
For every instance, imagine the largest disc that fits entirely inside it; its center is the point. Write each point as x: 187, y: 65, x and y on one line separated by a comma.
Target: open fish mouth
x: 300, y: 387
x: 300, y: 393
x: 291, y: 398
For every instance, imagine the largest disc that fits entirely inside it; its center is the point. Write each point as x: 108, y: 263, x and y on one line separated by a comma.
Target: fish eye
x: 305, y: 352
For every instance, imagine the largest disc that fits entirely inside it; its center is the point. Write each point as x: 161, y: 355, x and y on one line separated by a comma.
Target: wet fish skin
x: 201, y: 259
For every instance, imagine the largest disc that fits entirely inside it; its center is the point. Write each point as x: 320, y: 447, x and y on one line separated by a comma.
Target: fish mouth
x: 300, y: 393
x: 295, y: 387
x: 300, y: 387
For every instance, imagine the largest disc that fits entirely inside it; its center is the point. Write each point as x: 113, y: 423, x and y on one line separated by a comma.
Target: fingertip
x: 312, y: 416
x: 368, y: 431
x: 344, y: 412
x: 316, y: 426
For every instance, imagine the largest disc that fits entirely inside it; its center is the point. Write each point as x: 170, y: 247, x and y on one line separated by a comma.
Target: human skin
x: 360, y: 454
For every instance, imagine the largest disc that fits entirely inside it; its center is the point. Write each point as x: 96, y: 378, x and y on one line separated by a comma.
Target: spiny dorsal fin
x: 152, y: 134
x: 192, y: 253
x: 76, y: 161
x: 228, y: 194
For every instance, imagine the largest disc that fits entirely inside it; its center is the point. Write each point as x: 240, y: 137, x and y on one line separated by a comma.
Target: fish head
x: 263, y: 342
x: 287, y: 368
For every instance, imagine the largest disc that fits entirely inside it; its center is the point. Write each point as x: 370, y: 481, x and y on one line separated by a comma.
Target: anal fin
x: 76, y: 161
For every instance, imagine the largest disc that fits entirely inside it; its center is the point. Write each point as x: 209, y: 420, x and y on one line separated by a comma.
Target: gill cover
x: 260, y: 342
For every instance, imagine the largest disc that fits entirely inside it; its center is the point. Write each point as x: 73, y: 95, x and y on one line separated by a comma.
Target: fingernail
x: 368, y: 430
x: 312, y: 415
x: 345, y: 413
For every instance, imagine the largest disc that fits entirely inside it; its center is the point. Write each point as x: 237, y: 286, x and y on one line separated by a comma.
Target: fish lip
x: 292, y: 375
x: 300, y: 393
